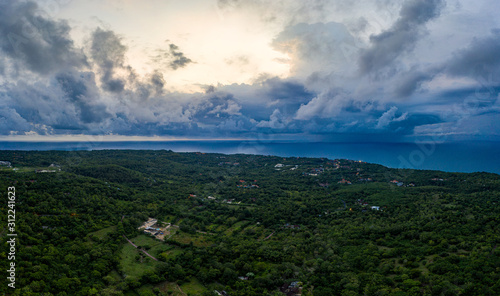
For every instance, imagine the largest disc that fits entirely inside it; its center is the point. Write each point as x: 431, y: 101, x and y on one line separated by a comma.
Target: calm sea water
x: 451, y: 157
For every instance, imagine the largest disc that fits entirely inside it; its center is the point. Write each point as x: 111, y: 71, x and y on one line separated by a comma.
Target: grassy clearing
x: 422, y: 268
x: 142, y: 240
x: 220, y: 228
x: 198, y: 239
x: 236, y: 227
x: 133, y: 267
x: 143, y: 289
x: 213, y: 227
x: 172, y: 253
x: 156, y: 247
x: 101, y: 234
x: 193, y: 287
x: 169, y: 288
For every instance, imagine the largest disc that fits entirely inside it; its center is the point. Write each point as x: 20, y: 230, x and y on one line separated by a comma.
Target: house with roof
x: 344, y: 181
x: 292, y: 289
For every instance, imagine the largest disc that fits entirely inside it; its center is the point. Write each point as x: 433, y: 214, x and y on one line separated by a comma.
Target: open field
x: 169, y: 288
x: 193, y: 287
x: 103, y: 232
x: 133, y: 267
x: 198, y: 239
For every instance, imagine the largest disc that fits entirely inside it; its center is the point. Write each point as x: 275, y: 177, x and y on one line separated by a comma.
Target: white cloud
x: 390, y: 116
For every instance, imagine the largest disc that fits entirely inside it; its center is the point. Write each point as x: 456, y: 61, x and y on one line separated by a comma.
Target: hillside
x: 245, y: 225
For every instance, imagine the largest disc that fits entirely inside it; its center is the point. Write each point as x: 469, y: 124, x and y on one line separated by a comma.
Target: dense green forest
x: 244, y: 225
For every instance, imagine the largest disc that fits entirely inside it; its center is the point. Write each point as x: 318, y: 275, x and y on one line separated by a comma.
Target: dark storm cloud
x: 123, y: 126
x: 215, y: 108
x: 37, y: 43
x: 407, y: 83
x: 157, y: 81
x: 10, y: 120
x: 291, y: 91
x: 2, y: 65
x: 259, y: 100
x: 480, y: 59
x: 69, y: 103
x: 79, y: 92
x: 286, y: 95
x: 108, y: 53
x: 401, y: 37
x: 55, y: 90
x: 41, y: 105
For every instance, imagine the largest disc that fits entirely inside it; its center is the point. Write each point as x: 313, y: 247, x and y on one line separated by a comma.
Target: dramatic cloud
x: 480, y: 60
x: 108, y: 53
x: 407, y: 83
x: 371, y: 70
x: 390, y: 117
x: 83, y: 94
x: 318, y: 47
x: 214, y: 108
x: 34, y: 42
x: 12, y: 122
x: 325, y: 105
x: 276, y: 121
x: 401, y: 37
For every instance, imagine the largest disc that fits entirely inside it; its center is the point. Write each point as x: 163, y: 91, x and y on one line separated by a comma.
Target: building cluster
x: 365, y: 180
x: 292, y: 289
x: 245, y: 184
x: 291, y: 226
x: 344, y: 181
x: 314, y: 172
x: 401, y: 184
x: 5, y: 163
x: 365, y: 204
x: 280, y: 166
x: 154, y: 228
x: 230, y: 201
x: 398, y: 183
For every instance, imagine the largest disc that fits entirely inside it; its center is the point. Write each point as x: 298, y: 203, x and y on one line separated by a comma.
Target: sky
x: 313, y: 70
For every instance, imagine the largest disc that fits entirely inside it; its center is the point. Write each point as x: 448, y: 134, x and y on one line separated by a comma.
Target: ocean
x: 450, y: 157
